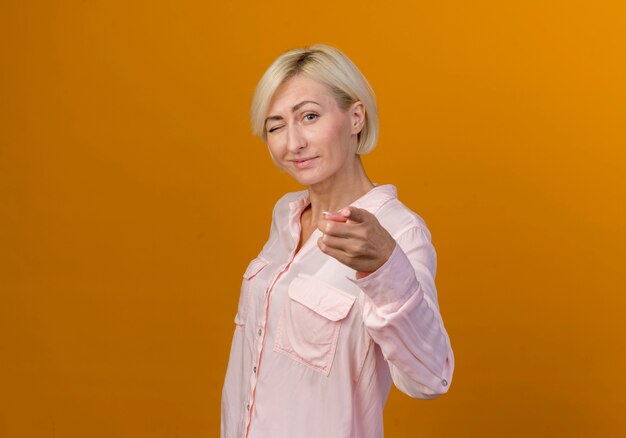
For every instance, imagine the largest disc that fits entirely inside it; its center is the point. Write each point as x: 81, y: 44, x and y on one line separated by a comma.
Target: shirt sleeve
x: 401, y: 314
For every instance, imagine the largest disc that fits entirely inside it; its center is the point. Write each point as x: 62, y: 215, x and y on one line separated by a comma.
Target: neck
x: 340, y: 191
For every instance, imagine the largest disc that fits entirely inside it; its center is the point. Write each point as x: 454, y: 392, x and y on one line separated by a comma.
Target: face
x: 309, y: 135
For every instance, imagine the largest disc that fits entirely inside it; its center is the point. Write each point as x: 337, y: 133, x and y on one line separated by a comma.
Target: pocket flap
x: 322, y: 298
x: 254, y: 267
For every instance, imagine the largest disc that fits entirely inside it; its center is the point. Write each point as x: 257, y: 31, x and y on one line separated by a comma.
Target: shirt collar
x: 371, y: 201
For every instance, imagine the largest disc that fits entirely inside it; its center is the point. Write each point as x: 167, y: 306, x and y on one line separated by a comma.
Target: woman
x: 341, y: 301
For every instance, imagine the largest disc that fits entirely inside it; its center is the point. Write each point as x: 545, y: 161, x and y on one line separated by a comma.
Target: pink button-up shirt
x: 315, y: 350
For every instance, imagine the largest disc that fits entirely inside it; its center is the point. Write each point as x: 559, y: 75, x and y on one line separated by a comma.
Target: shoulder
x: 412, y: 235
x: 280, y: 229
x: 288, y: 198
x: 397, y: 218
x: 283, y: 205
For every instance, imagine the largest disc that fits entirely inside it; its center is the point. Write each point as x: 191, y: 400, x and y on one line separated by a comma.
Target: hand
x: 355, y: 238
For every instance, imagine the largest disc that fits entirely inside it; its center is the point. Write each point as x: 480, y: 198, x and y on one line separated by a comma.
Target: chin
x: 307, y: 180
x: 304, y: 181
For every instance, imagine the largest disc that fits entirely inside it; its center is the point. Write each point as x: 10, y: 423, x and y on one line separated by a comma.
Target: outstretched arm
x: 399, y: 306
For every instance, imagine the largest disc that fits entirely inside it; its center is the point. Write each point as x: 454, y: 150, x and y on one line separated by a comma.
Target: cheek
x: 273, y: 146
x: 341, y: 129
x: 274, y: 152
x: 331, y: 134
x: 338, y: 139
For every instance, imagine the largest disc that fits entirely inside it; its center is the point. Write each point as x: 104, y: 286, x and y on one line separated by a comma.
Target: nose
x: 295, y: 138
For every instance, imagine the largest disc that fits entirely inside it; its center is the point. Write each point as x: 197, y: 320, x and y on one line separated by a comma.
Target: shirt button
x: 444, y: 382
x: 254, y: 370
x: 260, y: 331
x: 248, y: 407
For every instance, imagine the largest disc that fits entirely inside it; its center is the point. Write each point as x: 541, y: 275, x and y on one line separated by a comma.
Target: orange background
x: 132, y: 196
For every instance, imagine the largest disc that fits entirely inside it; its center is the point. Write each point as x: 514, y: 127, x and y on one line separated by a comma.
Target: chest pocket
x: 310, y: 322
x: 245, y: 296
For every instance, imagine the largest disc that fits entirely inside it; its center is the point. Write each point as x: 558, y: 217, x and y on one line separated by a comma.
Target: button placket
x: 262, y: 315
x: 261, y: 335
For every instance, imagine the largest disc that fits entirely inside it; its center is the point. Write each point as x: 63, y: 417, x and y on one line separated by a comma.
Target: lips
x: 303, y: 163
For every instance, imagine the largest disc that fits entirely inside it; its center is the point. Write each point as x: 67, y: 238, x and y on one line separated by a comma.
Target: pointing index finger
x: 332, y: 216
x: 353, y: 214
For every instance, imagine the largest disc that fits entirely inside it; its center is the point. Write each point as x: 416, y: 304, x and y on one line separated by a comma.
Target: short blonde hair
x: 328, y: 66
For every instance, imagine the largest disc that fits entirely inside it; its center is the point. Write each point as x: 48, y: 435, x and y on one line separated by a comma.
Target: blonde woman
x: 341, y: 301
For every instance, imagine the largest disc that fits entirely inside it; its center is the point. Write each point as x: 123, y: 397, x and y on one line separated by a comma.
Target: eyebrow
x: 295, y: 108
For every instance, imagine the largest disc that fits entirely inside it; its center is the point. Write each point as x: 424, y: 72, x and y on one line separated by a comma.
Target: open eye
x: 310, y: 116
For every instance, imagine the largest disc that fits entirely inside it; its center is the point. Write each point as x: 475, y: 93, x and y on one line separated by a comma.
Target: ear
x: 357, y: 116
